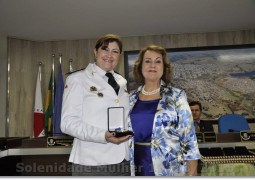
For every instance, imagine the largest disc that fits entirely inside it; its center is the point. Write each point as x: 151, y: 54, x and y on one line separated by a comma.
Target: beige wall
x: 25, y: 56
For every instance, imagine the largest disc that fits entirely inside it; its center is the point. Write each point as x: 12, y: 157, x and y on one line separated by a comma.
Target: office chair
x: 232, y: 123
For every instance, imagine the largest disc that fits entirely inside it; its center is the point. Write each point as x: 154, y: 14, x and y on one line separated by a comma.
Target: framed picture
x: 222, y: 78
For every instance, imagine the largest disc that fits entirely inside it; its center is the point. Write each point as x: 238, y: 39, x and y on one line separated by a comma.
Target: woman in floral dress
x: 164, y: 142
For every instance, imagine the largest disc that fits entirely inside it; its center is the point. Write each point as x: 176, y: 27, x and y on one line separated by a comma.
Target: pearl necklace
x: 148, y: 93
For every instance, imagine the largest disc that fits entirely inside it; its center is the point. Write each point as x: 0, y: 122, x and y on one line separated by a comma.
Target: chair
x: 232, y: 123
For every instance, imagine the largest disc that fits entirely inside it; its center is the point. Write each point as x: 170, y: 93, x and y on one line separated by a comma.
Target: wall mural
x: 222, y: 78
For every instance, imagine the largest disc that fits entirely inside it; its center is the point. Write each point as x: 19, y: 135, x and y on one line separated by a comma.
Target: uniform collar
x: 100, y: 71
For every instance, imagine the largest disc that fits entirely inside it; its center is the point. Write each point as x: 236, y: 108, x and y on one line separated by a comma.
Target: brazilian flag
x: 49, y: 107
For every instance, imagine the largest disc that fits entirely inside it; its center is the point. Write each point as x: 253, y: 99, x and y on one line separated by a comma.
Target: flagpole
x: 70, y: 65
x: 53, y: 90
x: 40, y: 79
x: 60, y: 58
x: 40, y: 72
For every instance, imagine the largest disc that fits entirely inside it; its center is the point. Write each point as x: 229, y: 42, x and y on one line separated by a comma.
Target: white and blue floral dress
x: 173, y: 138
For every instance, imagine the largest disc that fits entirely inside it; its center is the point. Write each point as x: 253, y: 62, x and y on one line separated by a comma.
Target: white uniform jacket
x: 87, y: 95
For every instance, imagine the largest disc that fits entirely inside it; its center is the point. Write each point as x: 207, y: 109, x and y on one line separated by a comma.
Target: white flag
x: 38, y: 108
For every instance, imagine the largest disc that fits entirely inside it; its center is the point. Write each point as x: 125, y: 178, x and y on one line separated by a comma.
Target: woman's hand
x: 110, y: 137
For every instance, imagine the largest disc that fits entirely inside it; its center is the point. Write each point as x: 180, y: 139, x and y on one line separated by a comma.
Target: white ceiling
x: 49, y: 20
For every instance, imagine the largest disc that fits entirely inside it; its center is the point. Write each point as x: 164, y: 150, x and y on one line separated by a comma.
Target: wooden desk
x: 235, y: 169
x: 35, y: 162
x: 43, y: 161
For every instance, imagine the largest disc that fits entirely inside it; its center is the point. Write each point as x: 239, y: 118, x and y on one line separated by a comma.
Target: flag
x: 70, y: 66
x: 49, y: 104
x: 58, y: 103
x: 38, y: 108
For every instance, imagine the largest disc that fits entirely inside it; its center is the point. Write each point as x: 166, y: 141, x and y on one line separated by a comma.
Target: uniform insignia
x: 93, y: 89
x: 66, y: 86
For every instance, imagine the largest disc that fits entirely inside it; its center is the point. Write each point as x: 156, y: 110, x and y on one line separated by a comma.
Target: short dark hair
x: 193, y: 103
x: 167, y: 72
x: 106, y: 39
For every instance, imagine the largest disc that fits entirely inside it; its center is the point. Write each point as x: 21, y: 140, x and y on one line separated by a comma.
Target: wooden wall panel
x: 20, y: 88
x: 3, y: 84
x: 25, y: 56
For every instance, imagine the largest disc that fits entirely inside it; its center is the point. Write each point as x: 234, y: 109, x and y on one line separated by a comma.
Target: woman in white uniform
x: 87, y: 96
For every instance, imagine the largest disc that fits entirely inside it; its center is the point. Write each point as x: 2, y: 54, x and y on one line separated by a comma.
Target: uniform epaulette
x: 74, y: 71
x: 116, y: 72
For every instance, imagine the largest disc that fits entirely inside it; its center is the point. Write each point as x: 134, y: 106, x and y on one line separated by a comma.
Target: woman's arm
x: 192, y: 167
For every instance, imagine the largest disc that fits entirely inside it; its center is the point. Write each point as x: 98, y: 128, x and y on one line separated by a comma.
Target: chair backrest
x: 232, y: 123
